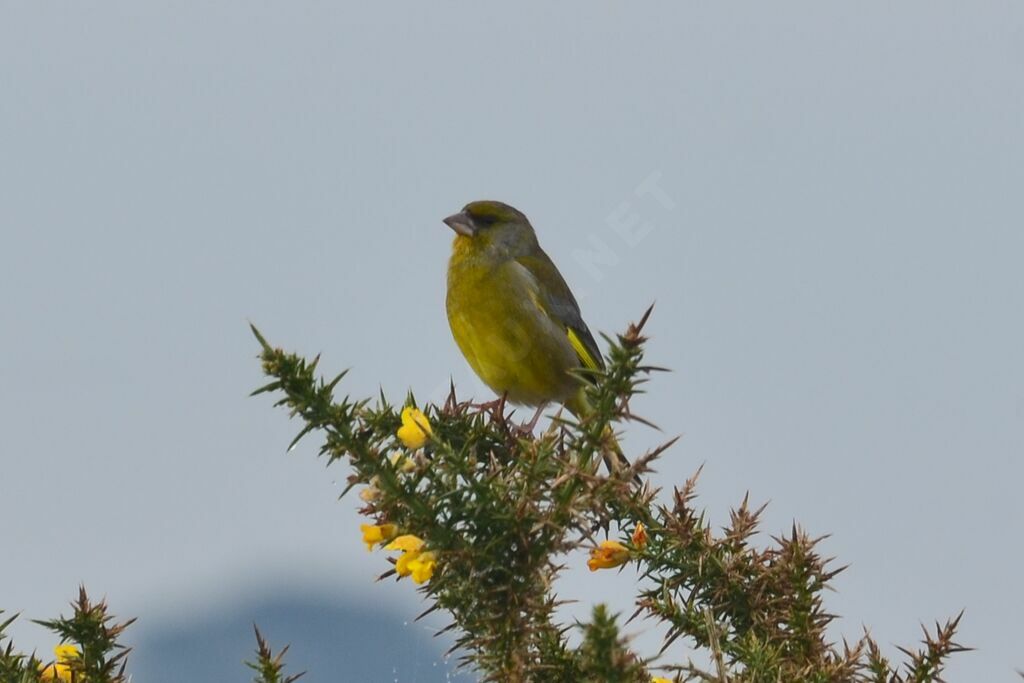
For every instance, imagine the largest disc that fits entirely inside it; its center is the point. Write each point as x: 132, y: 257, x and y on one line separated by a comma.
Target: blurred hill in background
x: 330, y: 640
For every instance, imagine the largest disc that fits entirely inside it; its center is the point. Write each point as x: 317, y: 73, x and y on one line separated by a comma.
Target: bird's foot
x: 496, y: 407
x: 526, y: 429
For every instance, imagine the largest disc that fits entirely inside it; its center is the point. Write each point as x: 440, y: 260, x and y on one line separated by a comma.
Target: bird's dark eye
x: 484, y: 219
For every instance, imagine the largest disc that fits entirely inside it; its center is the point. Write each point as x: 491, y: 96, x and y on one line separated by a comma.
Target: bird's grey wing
x: 557, y: 301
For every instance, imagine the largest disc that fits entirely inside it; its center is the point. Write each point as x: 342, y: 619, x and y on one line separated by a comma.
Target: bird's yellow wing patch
x: 581, y: 350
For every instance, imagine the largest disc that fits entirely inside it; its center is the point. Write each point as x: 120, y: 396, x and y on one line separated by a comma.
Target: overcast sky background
x: 835, y: 250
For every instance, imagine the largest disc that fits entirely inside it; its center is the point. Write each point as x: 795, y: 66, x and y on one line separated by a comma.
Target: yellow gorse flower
x: 406, y: 542
x: 415, y: 561
x: 402, y: 462
x: 608, y: 555
x: 415, y: 429
x: 372, y: 535
x: 60, y: 670
x: 422, y: 566
x: 56, y: 672
x: 659, y: 679
x: 639, y: 538
x: 371, y: 492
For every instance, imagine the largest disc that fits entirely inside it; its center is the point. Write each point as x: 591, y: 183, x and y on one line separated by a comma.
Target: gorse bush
x: 483, y: 513
x: 88, y: 651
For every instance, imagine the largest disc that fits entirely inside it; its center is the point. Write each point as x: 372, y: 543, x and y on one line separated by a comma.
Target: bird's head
x: 494, y: 225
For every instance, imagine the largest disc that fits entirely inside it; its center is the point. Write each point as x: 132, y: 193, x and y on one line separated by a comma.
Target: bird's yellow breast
x: 503, y: 331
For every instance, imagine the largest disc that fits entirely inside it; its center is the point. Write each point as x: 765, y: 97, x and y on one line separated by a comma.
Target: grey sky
x: 837, y: 270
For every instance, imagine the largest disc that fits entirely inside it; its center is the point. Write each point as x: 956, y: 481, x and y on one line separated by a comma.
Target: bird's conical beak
x: 461, y: 223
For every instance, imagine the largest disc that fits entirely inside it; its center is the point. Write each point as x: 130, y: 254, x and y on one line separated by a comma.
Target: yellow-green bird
x: 512, y: 315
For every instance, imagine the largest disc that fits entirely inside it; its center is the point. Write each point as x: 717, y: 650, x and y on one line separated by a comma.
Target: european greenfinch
x: 514, y: 317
